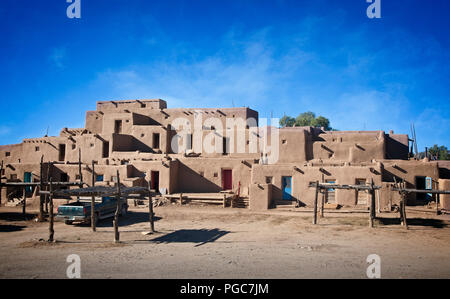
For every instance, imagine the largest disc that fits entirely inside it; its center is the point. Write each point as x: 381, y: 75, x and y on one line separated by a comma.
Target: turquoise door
x: 27, y: 179
x: 286, y: 186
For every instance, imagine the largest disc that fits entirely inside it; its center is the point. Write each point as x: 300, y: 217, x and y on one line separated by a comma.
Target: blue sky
x: 275, y: 56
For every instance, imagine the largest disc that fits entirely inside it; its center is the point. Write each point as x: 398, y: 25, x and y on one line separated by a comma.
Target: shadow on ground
x: 13, y: 216
x: 130, y: 218
x: 10, y: 228
x: 199, y: 236
x: 436, y: 223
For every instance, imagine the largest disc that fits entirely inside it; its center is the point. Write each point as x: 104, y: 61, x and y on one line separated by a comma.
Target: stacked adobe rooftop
x: 205, y: 150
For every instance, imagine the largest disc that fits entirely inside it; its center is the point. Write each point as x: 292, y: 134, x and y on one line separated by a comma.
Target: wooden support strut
x: 116, y: 215
x: 315, y: 203
x: 24, y: 201
x: 150, y: 208
x: 322, y: 204
x: 93, y: 224
x: 51, y: 231
x: 1, y: 174
x: 41, y: 188
x: 372, y: 213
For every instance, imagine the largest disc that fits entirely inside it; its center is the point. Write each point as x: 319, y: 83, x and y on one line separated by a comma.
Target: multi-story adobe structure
x: 139, y: 139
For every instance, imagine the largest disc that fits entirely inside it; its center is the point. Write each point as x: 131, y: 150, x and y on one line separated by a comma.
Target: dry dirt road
x: 212, y: 242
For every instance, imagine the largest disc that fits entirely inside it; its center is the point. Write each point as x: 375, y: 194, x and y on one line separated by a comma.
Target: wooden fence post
x: 46, y: 196
x: 181, y: 198
x: 372, y: 213
x: 323, y: 199
x: 315, y: 203
x: 116, y: 215
x: 150, y: 208
x: 41, y: 188
x: 93, y: 224
x: 51, y: 231
x: 224, y: 200
x: 1, y: 176
x: 24, y: 201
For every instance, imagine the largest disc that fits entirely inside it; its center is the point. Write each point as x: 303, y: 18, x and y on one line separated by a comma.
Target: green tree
x: 287, y: 121
x: 441, y: 152
x: 306, y: 119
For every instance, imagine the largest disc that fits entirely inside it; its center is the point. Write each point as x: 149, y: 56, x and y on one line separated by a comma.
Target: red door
x: 227, y: 179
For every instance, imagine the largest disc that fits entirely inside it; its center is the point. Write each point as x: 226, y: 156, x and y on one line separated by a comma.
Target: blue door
x: 27, y: 179
x: 286, y: 186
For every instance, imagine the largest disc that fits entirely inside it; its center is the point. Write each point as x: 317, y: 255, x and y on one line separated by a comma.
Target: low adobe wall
x: 260, y: 197
x: 444, y: 198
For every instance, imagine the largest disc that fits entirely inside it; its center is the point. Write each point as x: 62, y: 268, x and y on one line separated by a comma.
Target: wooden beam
x: 372, y: 213
x: 323, y: 199
x: 1, y: 176
x: 51, y: 231
x: 41, y: 188
x: 116, y: 215
x: 93, y: 224
x: 315, y: 203
x: 24, y: 201
x: 150, y: 208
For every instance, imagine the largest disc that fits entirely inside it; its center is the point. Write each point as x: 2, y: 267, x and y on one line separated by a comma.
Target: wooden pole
x: 1, y: 176
x: 181, y: 198
x: 437, y: 203
x: 79, y: 168
x: 224, y: 200
x: 93, y: 225
x: 405, y: 222
x: 116, y: 215
x: 46, y: 198
x: 24, y: 201
x: 41, y: 188
x: 323, y: 199
x: 372, y: 213
x: 150, y: 208
x: 315, y: 203
x: 51, y: 231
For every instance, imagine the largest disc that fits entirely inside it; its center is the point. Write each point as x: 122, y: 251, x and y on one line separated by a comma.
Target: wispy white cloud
x: 58, y: 56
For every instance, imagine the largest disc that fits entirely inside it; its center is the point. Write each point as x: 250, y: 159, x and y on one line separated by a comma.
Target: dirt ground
x: 212, y: 242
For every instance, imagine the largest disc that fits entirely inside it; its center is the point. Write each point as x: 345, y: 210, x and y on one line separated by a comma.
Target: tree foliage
x: 306, y: 119
x: 439, y: 152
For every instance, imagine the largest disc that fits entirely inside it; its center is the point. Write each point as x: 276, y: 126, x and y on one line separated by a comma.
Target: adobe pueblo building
x: 215, y: 150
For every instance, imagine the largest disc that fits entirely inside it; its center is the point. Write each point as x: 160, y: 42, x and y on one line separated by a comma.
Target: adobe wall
x: 303, y: 175
x: 408, y: 171
x: 260, y: 197
x: 444, y: 198
x: 205, y: 175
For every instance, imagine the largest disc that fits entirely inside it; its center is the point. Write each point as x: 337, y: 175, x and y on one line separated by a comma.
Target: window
x: 7, y: 154
x: 118, y: 126
x: 13, y: 177
x: 36, y: 148
x: 156, y: 140
x: 62, y: 152
x: 105, y: 149
x: 99, y: 178
x: 269, y: 180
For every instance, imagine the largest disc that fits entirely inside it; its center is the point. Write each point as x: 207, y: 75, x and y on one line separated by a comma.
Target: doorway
x: 62, y: 152
x: 155, y: 180
x: 227, y: 179
x: 420, y: 185
x: 118, y: 126
x: 286, y: 187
